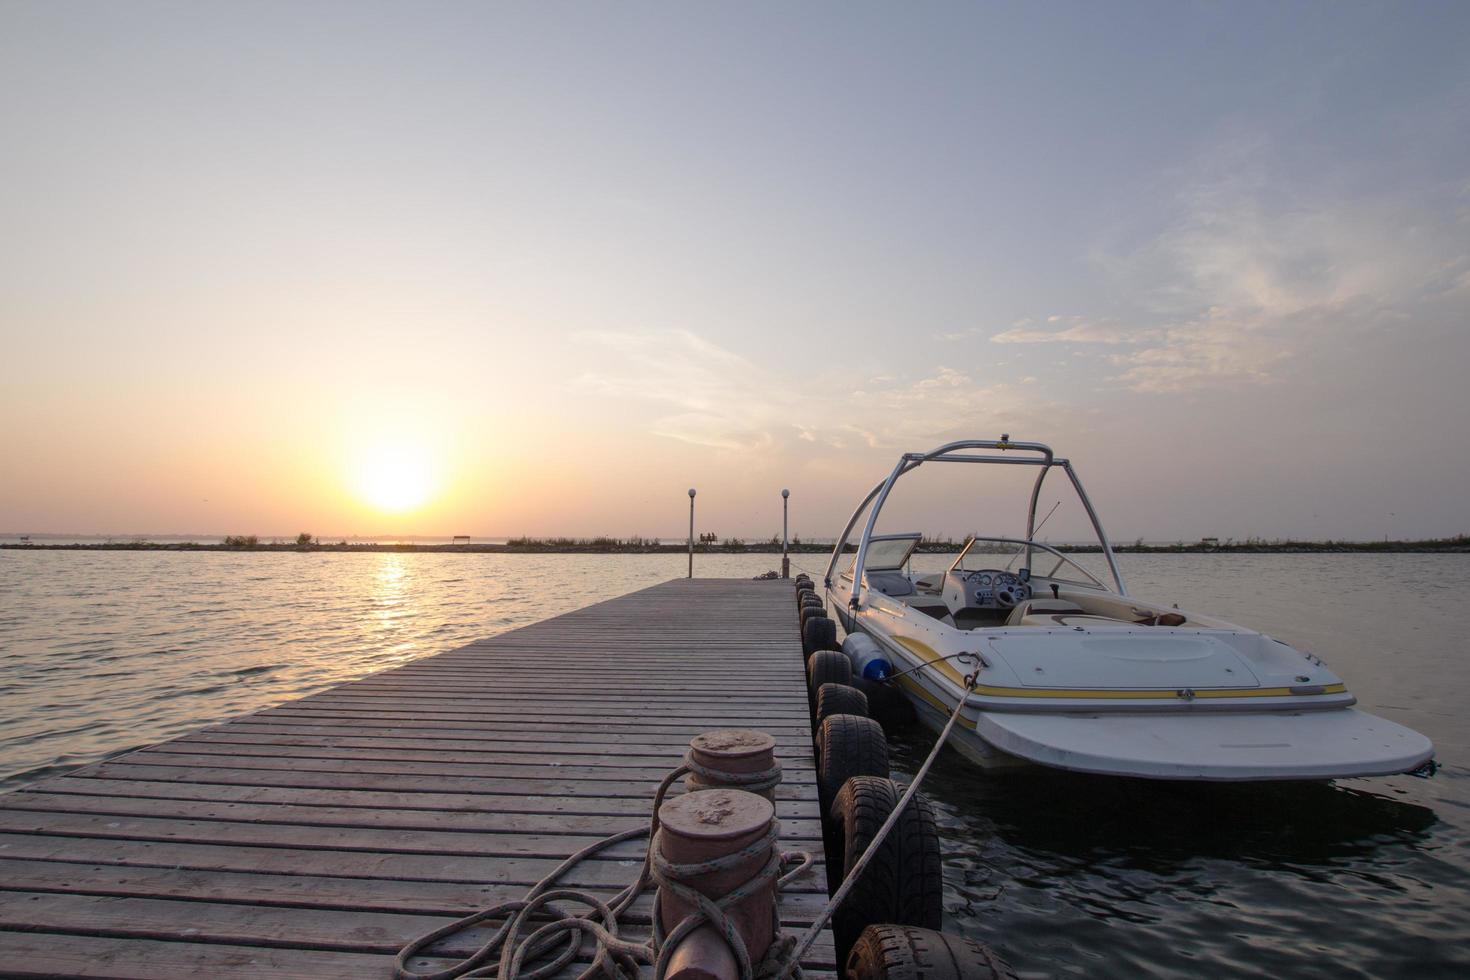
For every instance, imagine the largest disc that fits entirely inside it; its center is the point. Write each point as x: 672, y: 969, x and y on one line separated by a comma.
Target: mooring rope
x: 671, y: 877
x: 964, y: 658
x: 615, y: 954
x: 751, y: 782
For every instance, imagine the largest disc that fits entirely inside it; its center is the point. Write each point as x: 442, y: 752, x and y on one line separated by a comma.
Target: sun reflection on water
x: 395, y: 609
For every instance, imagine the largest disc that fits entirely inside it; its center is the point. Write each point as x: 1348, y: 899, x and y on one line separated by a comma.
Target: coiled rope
x: 671, y: 877
x: 751, y: 782
x: 520, y: 957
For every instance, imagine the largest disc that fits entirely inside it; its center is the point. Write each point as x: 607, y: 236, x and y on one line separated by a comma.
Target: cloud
x: 705, y: 390
x: 1217, y: 349
x: 1073, y: 330
x: 703, y: 394
x: 1244, y: 279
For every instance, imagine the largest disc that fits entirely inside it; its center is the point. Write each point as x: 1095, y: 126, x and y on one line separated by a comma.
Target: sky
x: 497, y: 269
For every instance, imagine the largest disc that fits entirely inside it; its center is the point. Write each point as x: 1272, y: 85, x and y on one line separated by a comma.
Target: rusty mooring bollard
x: 739, y: 752
x: 701, y: 826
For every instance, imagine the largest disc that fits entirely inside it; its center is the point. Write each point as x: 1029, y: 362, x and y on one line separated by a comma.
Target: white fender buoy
x: 868, y: 659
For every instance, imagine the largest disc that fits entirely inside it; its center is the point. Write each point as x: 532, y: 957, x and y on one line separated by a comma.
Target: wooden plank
x: 573, y: 688
x: 788, y: 746
x: 569, y: 713
x: 612, y: 872
x: 367, y: 761
x: 786, y: 810
x: 503, y: 794
x: 502, y: 688
x: 566, y: 711
x: 46, y: 954
x: 451, y: 899
x: 54, y: 954
x: 598, y: 704
x: 357, y: 777
x: 251, y: 924
x: 593, y: 752
x: 479, y: 821
x: 687, y: 726
x: 301, y: 835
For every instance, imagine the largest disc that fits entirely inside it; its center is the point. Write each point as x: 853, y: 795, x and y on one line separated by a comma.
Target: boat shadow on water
x: 1076, y: 821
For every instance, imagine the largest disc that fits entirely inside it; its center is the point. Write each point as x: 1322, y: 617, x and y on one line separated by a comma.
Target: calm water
x: 1067, y: 875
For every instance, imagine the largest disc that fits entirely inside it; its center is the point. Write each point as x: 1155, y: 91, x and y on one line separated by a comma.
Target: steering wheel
x: 1008, y: 593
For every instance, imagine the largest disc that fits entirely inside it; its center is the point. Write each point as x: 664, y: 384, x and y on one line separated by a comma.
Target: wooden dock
x: 314, y: 839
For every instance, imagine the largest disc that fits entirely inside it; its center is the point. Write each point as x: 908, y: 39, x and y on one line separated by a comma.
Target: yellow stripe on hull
x: 913, y: 687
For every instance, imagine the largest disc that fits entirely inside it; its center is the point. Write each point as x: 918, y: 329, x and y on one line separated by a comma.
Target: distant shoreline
x: 605, y: 546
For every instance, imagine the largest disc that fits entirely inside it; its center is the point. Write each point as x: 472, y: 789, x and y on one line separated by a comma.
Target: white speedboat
x: 1072, y: 673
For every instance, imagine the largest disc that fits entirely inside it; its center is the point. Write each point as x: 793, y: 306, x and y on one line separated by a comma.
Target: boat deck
x: 315, y: 838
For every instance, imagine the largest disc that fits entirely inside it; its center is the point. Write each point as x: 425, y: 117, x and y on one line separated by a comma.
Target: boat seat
x: 978, y: 619
x: 1161, y: 619
x: 895, y: 584
x: 1072, y: 621
x: 1042, y: 607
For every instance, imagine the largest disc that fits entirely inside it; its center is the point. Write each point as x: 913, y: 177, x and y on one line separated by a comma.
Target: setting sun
x: 395, y: 477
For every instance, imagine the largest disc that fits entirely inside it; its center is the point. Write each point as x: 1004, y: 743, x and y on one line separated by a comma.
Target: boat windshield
x: 1046, y: 561
x: 888, y: 552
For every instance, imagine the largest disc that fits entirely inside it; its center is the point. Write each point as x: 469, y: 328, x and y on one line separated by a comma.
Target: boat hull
x: 1217, y: 746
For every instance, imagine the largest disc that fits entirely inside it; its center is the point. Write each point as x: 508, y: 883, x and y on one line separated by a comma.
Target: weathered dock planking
x: 315, y: 838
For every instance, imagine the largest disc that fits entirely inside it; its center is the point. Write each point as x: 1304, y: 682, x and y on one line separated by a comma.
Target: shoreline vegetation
x: 710, y: 544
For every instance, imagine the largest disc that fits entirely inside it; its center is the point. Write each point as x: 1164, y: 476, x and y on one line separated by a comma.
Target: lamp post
x: 691, y: 532
x: 785, y: 556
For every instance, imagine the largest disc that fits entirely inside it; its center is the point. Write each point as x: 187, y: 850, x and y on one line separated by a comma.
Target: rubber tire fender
x: 818, y: 633
x: 835, y: 698
x: 904, y: 882
x: 810, y: 612
x: 827, y: 667
x: 847, y: 746
x: 887, y: 704
x: 809, y: 599
x: 892, y: 952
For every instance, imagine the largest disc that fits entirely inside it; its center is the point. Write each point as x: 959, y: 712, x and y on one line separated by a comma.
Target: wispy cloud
x: 1058, y: 329
x: 704, y: 394
x: 1242, y: 281
x: 1215, y: 349
x: 711, y: 396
